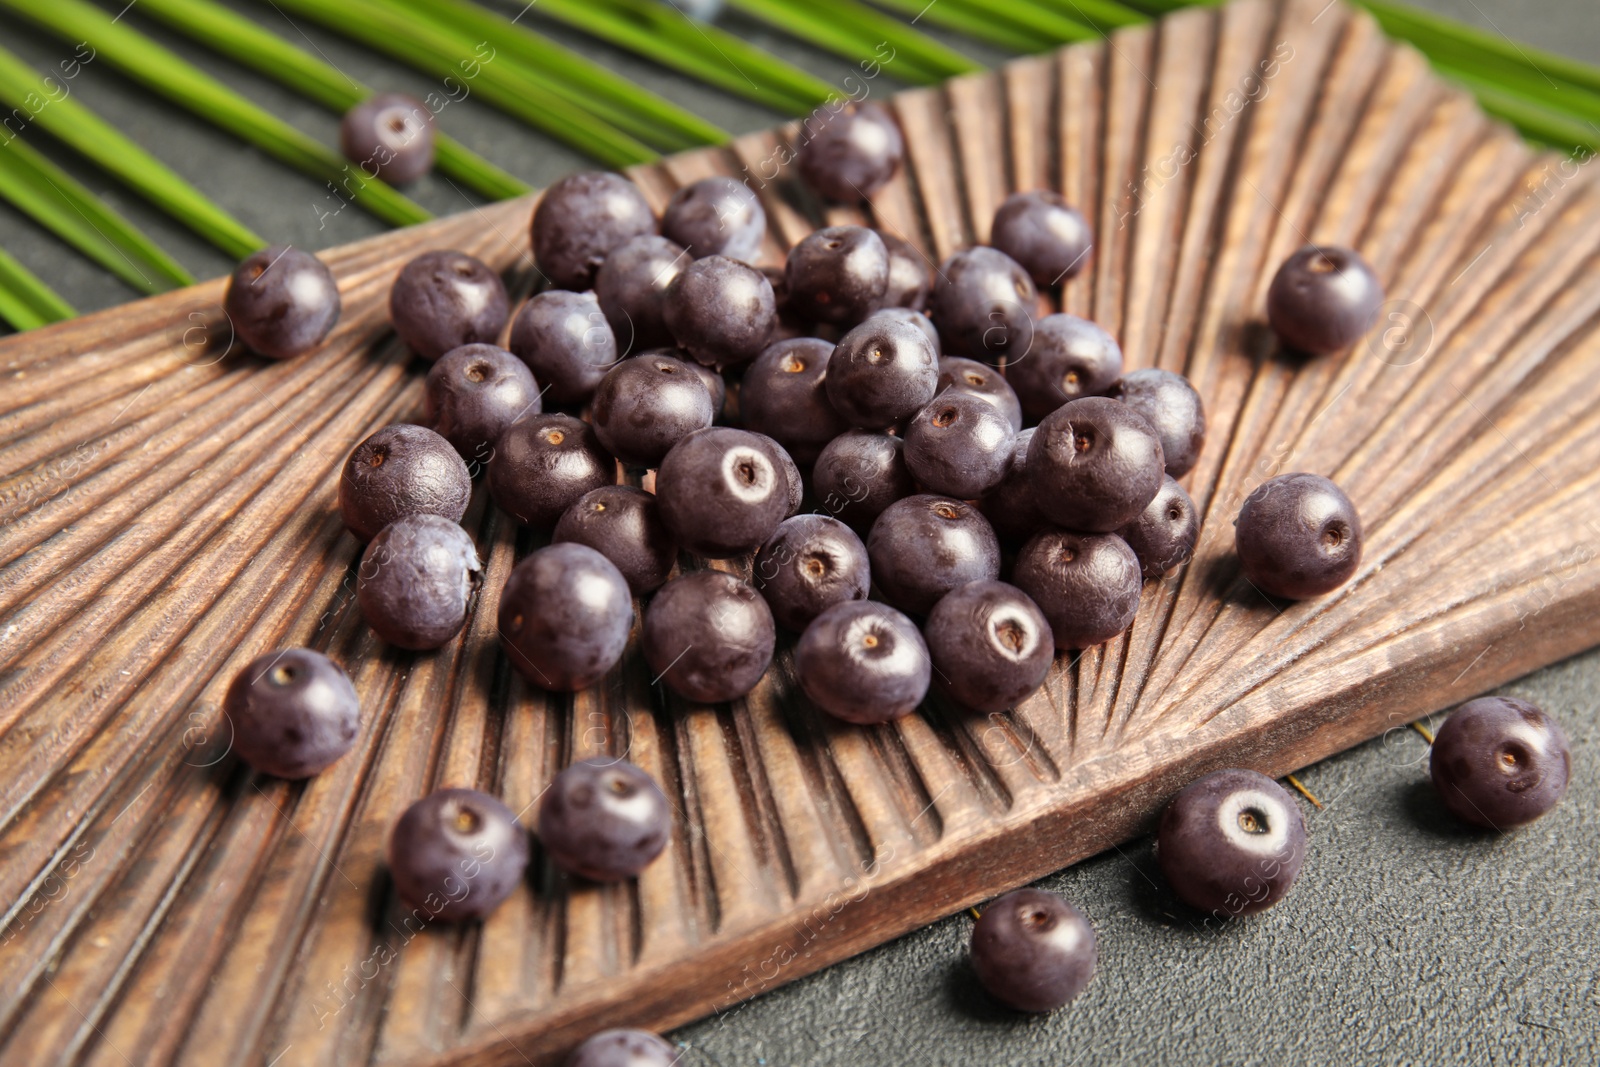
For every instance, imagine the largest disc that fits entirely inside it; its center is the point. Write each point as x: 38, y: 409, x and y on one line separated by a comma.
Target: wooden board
x: 168, y: 513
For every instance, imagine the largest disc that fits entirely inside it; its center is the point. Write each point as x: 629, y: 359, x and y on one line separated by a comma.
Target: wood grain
x: 168, y: 514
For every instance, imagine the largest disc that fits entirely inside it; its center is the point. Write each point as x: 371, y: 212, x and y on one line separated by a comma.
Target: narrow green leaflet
x: 25, y: 301
x: 861, y: 34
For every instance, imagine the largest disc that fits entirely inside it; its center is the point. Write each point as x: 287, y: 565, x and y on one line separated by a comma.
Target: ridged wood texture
x: 168, y: 515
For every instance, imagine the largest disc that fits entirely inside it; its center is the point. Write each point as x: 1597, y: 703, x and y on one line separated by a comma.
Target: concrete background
x: 1409, y: 938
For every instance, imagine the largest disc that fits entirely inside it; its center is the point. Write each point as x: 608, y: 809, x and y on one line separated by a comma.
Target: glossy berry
x: 863, y: 662
x: 1070, y: 358
x: 1009, y: 506
x: 850, y: 151
x: 716, y: 385
x: 969, y: 376
x: 837, y: 275
x: 473, y: 393
x: 783, y: 396
x: 456, y: 854
x: 722, y: 491
x: 1500, y: 762
x: 624, y: 525
x: 959, y: 445
x: 566, y: 341
x: 282, y: 302
x: 881, y: 372
x: 793, y: 478
x: 416, y: 580
x: 708, y: 636
x: 1040, y: 230
x: 604, y: 819
x: 443, y: 300
x: 1094, y: 464
x: 810, y: 564
x: 1032, y: 950
x: 1164, y: 535
x: 644, y: 406
x: 1323, y: 299
x: 721, y: 311
x: 625, y: 1048
x: 858, y: 475
x: 716, y: 216
x: 991, y: 644
x: 1231, y: 843
x: 924, y: 546
x: 1087, y: 585
x: 292, y: 713
x: 908, y: 315
x: 543, y: 464
x: 910, y: 274
x: 389, y: 136
x: 1298, y: 536
x: 984, y: 305
x: 631, y: 289
x: 564, y: 616
x: 402, y: 470
x: 1172, y: 408
x: 580, y: 219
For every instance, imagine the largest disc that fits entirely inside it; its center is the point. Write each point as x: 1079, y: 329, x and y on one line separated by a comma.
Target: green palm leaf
x: 862, y: 35
x: 25, y: 301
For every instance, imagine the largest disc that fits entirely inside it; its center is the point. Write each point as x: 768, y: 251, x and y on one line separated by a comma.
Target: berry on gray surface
x: 1032, y: 950
x: 1172, y: 408
x: 631, y: 289
x: 991, y: 644
x: 783, y: 395
x: 416, y: 580
x: 646, y: 405
x: 1087, y: 585
x: 924, y: 546
x: 716, y: 216
x: 282, y: 302
x: 858, y: 475
x: 564, y: 616
x: 1040, y: 230
x: 443, y: 300
x: 863, y: 662
x: 473, y: 393
x: 402, y: 470
x: 708, y: 636
x: 1500, y: 762
x: 580, y: 219
x: 1231, y: 843
x: 624, y: 525
x: 292, y: 713
x: 850, y: 150
x: 984, y: 305
x: 1095, y: 464
x: 837, y: 275
x: 723, y: 491
x: 721, y: 311
x: 881, y: 372
x: 1164, y: 534
x: 1070, y: 358
x: 625, y: 1048
x: 981, y: 380
x: 1298, y: 536
x: 809, y: 564
x: 1323, y: 299
x: 566, y: 341
x: 543, y: 464
x: 604, y: 819
x: 959, y: 445
x: 456, y: 854
x: 389, y: 136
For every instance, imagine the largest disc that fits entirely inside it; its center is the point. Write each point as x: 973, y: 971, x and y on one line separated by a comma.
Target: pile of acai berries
x: 924, y: 476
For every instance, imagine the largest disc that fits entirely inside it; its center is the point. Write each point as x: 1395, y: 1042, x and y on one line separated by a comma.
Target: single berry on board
x: 991, y: 644
x: 543, y: 464
x: 282, y: 302
x: 708, y: 636
x: 416, y: 581
x: 1040, y: 230
x: 564, y: 617
x: 456, y: 854
x: 924, y: 546
x: 1298, y: 536
x: 604, y: 819
x: 402, y: 470
x: 1323, y: 299
x: 292, y: 713
x: 443, y: 300
x: 580, y: 219
x: 624, y: 525
x: 566, y: 341
x: 809, y: 564
x: 849, y: 151
x: 473, y: 393
x: 1087, y: 585
x: 863, y: 662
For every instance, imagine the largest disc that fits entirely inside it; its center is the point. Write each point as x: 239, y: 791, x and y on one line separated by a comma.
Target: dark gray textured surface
x: 1409, y: 938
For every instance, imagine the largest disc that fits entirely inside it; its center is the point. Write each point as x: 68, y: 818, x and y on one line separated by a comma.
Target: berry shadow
x: 1423, y: 808
x: 965, y: 997
x: 1150, y: 895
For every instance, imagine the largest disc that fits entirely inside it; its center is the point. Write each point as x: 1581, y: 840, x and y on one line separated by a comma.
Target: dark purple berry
x: 565, y: 340
x: 1500, y: 762
x: 721, y: 311
x: 716, y: 384
x: 881, y: 372
x: 456, y: 854
x: 910, y: 274
x: 1164, y: 534
x: 810, y: 564
x: 849, y: 151
x: 623, y: 1048
x: 292, y: 713
x: 624, y: 525
x: 1298, y: 536
x: 1009, y: 506
x: 784, y: 397
x: 543, y: 464
x: 1087, y: 585
x: 646, y: 405
x: 970, y: 376
x: 1094, y: 464
x: 389, y: 136
x: 1323, y: 299
x: 473, y: 393
x: 984, y: 305
x: 416, y: 580
x: 1032, y: 950
x: 991, y: 644
x: 443, y: 300
x: 1231, y: 843
x: 791, y: 470
x: 858, y: 475
x: 924, y: 546
x: 631, y: 289
x: 564, y: 616
x: 1051, y: 239
x: 282, y: 302
x: 722, y: 491
x: 1172, y: 407
x: 716, y: 216
x: 708, y: 636
x: 402, y: 470
x: 863, y: 662
x: 604, y: 819
x: 908, y: 315
x: 959, y: 445
x: 837, y: 275
x: 580, y: 219
x: 1070, y: 358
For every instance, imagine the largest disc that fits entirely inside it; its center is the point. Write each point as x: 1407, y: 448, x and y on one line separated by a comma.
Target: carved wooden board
x: 169, y: 514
